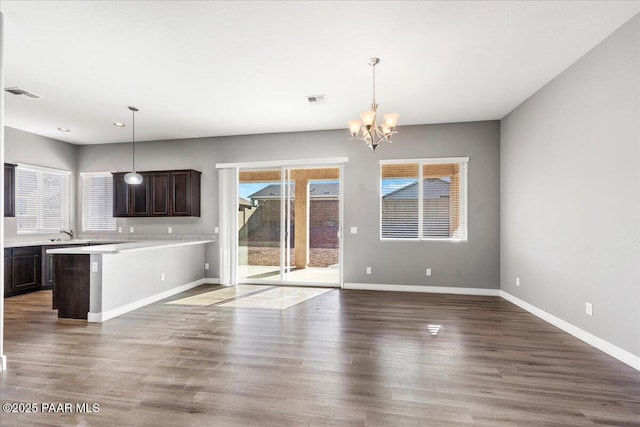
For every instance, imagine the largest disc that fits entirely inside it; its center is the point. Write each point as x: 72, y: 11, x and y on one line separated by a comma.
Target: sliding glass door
x: 259, y: 224
x: 289, y: 225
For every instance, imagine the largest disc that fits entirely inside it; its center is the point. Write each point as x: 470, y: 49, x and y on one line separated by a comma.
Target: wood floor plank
x: 343, y: 357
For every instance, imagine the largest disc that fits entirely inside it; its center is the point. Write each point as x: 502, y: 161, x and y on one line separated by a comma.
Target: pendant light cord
x: 133, y: 112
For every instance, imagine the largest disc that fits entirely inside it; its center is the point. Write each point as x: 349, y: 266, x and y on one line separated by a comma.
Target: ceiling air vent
x: 20, y: 91
x: 316, y: 99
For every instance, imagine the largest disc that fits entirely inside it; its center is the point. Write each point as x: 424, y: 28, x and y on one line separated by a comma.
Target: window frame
x: 82, y: 192
x: 66, y: 214
x: 463, y: 162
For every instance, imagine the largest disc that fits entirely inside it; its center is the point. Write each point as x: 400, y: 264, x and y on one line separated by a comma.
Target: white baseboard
x: 115, y: 312
x: 605, y: 346
x: 427, y: 289
x: 211, y: 281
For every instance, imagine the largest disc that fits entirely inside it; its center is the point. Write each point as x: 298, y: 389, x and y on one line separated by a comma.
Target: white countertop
x: 118, y: 248
x: 51, y: 243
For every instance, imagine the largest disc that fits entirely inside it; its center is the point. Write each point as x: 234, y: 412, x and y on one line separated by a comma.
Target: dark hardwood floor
x: 342, y: 358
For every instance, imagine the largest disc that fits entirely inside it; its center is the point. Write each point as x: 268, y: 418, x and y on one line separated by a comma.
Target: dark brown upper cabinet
x: 185, y: 193
x: 9, y: 189
x: 162, y: 193
x: 121, y: 195
x: 140, y: 196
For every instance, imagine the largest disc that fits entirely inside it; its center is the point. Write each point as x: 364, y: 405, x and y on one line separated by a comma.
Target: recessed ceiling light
x: 119, y: 124
x: 64, y: 130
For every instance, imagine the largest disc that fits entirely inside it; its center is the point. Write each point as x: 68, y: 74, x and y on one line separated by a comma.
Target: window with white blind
x: 97, y: 202
x: 423, y: 199
x: 42, y: 199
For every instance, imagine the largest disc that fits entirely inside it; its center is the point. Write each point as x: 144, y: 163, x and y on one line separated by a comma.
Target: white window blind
x: 42, y: 199
x: 97, y: 202
x: 423, y: 199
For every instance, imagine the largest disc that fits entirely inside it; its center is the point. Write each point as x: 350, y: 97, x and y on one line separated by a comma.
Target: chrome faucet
x: 68, y: 233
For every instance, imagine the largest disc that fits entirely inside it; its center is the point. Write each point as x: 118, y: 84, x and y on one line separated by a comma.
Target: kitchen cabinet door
x: 140, y: 205
x: 120, y: 195
x: 25, y: 269
x: 185, y: 193
x: 159, y: 193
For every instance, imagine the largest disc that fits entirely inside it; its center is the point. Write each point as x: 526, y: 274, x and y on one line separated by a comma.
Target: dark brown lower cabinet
x: 47, y: 263
x: 24, y: 268
x: 71, y: 285
x: 8, y: 278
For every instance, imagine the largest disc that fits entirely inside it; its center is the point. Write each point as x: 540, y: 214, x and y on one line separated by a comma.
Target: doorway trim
x: 280, y: 163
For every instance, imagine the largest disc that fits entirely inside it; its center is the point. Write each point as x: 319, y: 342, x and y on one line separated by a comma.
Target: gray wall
x: 570, y: 197
x: 468, y: 264
x: 25, y: 147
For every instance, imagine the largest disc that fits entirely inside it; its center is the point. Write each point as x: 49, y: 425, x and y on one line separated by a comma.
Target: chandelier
x: 367, y: 129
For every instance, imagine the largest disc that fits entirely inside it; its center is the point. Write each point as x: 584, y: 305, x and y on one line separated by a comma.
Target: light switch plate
x: 354, y: 230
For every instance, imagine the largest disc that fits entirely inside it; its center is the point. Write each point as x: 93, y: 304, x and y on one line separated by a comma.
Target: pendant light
x: 133, y: 177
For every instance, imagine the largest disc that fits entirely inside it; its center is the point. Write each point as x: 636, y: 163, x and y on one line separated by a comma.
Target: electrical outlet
x: 589, y: 308
x: 162, y: 277
x: 368, y: 270
x: 119, y: 229
x: 169, y: 230
x: 517, y: 281
x: 216, y: 230
x: 130, y: 229
x: 354, y: 230
x: 206, y: 265
x: 94, y: 267
x: 428, y: 272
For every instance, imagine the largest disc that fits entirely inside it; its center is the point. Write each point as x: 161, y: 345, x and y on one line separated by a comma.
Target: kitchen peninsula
x: 98, y: 283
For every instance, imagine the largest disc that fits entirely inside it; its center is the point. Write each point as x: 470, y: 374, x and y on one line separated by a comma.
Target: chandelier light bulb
x: 354, y: 127
x: 368, y: 117
x: 391, y: 119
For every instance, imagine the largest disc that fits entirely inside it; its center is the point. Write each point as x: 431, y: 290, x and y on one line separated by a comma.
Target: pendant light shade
x: 133, y: 178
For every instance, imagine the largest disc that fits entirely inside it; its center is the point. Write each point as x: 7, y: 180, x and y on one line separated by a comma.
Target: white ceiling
x: 200, y: 69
